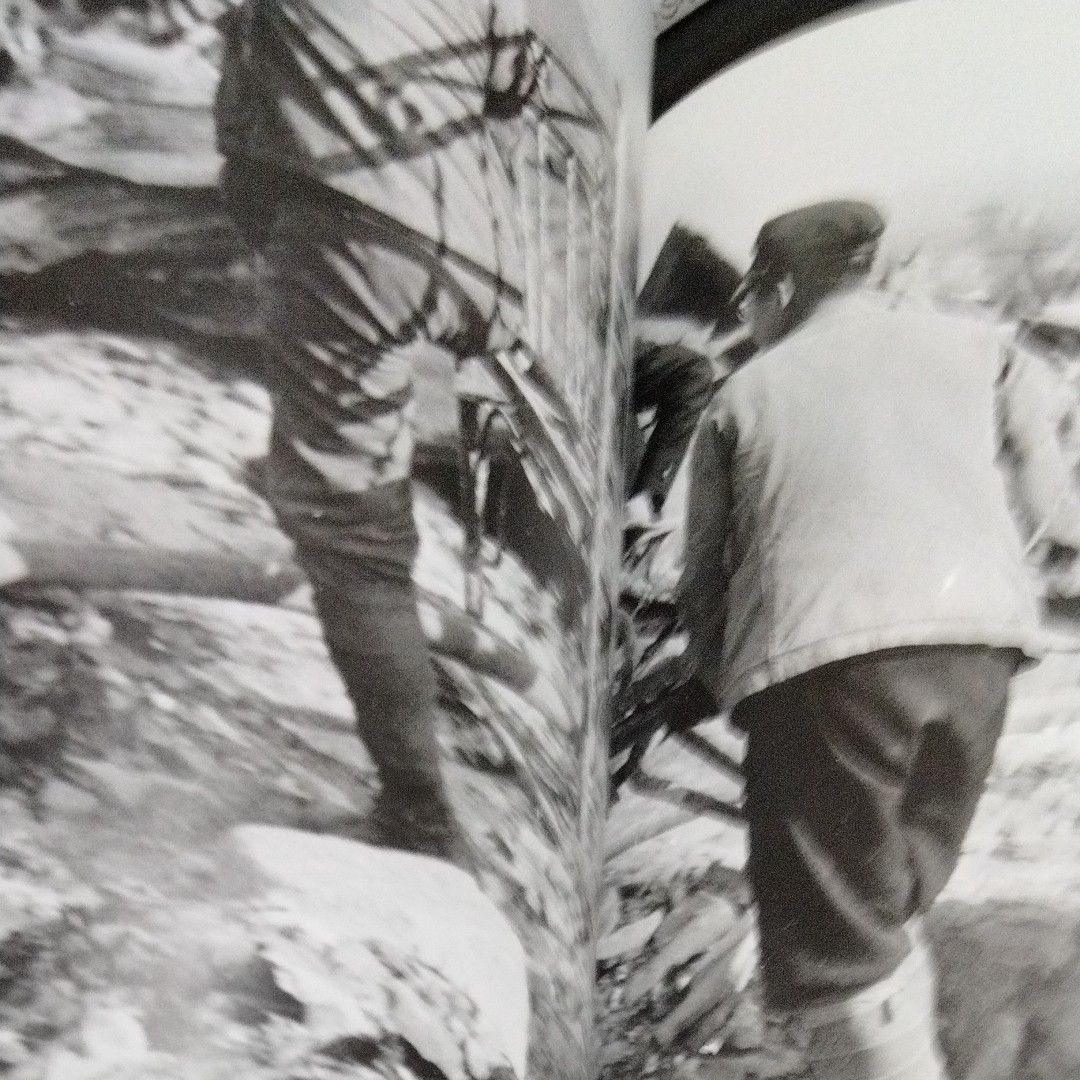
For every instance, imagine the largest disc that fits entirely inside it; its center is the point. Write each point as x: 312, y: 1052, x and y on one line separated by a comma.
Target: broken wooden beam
x: 87, y: 566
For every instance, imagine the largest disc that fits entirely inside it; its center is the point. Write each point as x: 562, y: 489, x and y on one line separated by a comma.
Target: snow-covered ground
x: 137, y: 731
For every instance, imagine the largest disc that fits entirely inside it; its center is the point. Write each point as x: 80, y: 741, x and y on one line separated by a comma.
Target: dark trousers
x: 344, y: 293
x: 337, y: 474
x: 862, y: 779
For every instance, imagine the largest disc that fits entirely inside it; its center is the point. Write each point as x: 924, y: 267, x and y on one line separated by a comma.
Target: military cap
x: 825, y: 237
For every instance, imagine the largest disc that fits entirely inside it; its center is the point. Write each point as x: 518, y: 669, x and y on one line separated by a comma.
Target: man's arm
x: 677, y: 382
x: 700, y: 596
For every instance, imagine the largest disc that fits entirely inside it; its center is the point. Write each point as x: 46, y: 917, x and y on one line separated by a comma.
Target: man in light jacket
x: 855, y: 591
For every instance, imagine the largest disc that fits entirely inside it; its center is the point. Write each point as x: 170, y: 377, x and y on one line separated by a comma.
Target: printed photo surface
x: 315, y: 337
x: 855, y: 384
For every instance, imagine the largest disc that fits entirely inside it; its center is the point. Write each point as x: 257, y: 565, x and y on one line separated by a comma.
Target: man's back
x: 867, y: 509
x: 850, y: 527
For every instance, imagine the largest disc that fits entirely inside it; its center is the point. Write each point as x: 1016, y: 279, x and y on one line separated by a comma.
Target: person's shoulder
x: 738, y: 398
x: 740, y: 378
x: 965, y: 334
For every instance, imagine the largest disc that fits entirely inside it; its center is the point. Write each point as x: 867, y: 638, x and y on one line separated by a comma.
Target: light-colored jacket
x: 847, y: 494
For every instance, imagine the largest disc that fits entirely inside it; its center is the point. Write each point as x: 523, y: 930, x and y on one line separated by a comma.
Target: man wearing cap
x: 856, y: 593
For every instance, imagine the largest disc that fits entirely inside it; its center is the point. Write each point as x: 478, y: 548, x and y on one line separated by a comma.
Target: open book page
x: 311, y: 381
x: 317, y: 355
x: 880, y: 498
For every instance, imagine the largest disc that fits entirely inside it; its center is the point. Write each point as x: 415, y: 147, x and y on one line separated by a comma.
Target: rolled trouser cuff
x: 885, y: 1031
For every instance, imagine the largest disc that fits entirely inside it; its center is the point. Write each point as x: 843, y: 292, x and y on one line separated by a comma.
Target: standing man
x: 855, y: 591
x: 363, y: 164
x: 687, y: 336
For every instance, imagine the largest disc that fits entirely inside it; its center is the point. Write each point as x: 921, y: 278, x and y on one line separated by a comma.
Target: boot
x: 419, y: 825
x: 886, y: 1031
x: 420, y: 819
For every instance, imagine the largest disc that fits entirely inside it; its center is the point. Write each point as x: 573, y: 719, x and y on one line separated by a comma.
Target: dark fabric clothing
x: 347, y: 285
x: 382, y: 656
x: 344, y: 296
x: 862, y: 778
x: 676, y: 383
x: 337, y: 477
x: 343, y: 293
x: 429, y: 175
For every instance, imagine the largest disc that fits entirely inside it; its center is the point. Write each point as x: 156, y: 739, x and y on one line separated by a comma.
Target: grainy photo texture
x: 315, y: 336
x: 844, y: 837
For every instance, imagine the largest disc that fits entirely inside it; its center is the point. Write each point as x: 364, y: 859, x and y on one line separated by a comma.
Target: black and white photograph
x: 845, y: 832
x: 539, y: 540
x: 314, y: 347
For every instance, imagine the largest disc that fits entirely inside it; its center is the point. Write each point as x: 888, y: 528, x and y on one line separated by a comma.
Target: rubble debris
x: 375, y: 943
